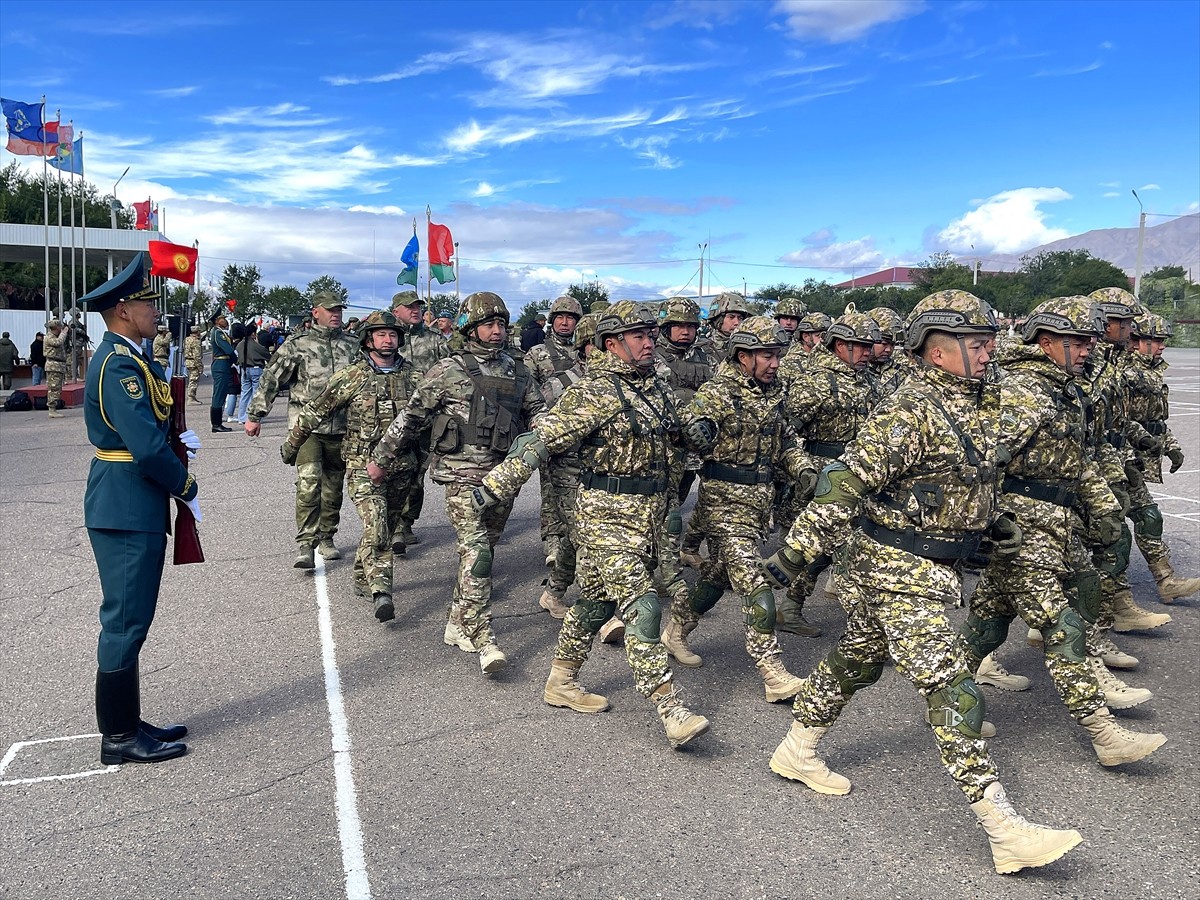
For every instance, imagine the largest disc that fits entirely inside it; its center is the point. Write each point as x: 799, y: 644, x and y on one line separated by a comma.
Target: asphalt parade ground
x: 333, y: 756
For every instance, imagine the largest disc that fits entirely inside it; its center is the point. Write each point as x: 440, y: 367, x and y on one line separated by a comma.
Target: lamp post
x: 1137, y: 267
x: 112, y: 209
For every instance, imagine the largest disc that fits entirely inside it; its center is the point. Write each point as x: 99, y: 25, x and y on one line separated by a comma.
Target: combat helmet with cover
x: 727, y: 302
x: 585, y: 331
x: 890, y: 322
x: 756, y: 333
x: 1116, y: 302
x: 480, y: 307
x: 679, y: 311
x: 377, y: 321
x: 853, y: 327
x: 565, y: 306
x: 954, y: 312
x: 1152, y: 326
x: 623, y: 316
x: 1074, y: 315
x: 814, y: 322
x: 790, y: 306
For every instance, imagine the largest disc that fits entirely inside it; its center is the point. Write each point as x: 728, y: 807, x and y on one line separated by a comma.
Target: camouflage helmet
x: 480, y: 307
x: 814, y: 321
x: 790, y: 306
x: 1116, y: 302
x: 728, y: 302
x: 585, y: 330
x: 622, y: 316
x: 1075, y: 315
x: 598, y: 305
x: 679, y: 311
x: 377, y: 321
x: 1152, y: 326
x: 565, y: 306
x: 756, y: 333
x: 890, y: 322
x: 853, y: 327
x: 953, y: 312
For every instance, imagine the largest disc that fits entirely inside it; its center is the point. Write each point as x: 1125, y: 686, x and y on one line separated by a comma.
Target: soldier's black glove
x: 1149, y: 443
x: 1006, y: 538
x: 805, y: 484
x: 700, y: 434
x: 1175, y: 455
x: 783, y: 566
x: 1121, y: 492
x: 1107, y: 529
x: 1133, y: 471
x: 482, y: 499
x: 289, y: 452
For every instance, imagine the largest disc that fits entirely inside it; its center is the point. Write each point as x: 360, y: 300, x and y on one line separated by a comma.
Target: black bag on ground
x: 19, y: 401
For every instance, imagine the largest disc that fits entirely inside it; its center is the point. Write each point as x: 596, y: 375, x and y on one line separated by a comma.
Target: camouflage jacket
x: 827, y: 405
x: 423, y: 348
x: 683, y: 368
x: 887, y: 377
x: 1149, y: 409
x: 793, y: 364
x: 556, y: 354
x: 471, y: 429
x: 55, y: 347
x: 714, y: 345
x: 304, y: 365
x: 1105, y: 383
x: 370, y: 397
x: 162, y: 349
x: 193, y: 353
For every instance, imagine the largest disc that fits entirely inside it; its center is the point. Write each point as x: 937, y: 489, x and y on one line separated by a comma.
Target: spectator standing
x: 222, y: 368
x: 37, y: 357
x: 252, y: 356
x: 534, y: 333
x: 8, y: 361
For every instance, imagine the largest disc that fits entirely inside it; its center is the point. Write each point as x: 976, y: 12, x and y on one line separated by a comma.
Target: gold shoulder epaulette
x: 123, y: 349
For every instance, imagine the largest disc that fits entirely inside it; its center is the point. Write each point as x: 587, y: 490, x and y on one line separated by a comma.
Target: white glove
x: 191, y: 454
x: 191, y: 441
x: 194, y: 506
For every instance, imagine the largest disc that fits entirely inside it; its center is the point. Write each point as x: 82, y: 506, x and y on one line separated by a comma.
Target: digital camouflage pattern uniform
x: 304, y: 365
x: 475, y: 401
x: 370, y: 398
x: 162, y: 348
x: 798, y: 354
x: 54, y: 345
x: 715, y: 342
x: 886, y: 375
x: 193, y: 358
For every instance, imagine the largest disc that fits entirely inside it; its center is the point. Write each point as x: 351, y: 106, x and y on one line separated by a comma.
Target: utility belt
x: 1063, y: 494
x: 962, y: 545
x: 622, y: 484
x: 114, y: 455
x: 736, y: 474
x: 1115, y: 439
x: 827, y: 449
x: 1156, y: 427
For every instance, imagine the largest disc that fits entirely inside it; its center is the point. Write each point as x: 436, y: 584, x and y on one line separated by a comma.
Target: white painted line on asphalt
x: 21, y: 745
x: 354, y: 864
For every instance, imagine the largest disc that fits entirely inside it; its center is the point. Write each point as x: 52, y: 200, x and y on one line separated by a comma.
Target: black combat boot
x: 118, y: 713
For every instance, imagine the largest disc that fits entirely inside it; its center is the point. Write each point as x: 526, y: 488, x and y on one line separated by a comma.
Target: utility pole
x: 1137, y: 268
x: 113, y: 207
x: 700, y: 289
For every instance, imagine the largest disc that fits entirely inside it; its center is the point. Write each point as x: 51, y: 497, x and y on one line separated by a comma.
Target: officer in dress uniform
x: 127, y: 410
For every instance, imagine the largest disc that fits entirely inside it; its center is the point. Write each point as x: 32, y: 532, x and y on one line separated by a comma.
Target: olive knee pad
x: 958, y: 705
x: 704, y: 596
x: 1147, y: 521
x: 760, y: 611
x: 985, y: 635
x: 852, y: 675
x: 1066, y: 637
x: 482, y: 566
x: 594, y: 613
x: 1084, y: 594
x: 647, y: 622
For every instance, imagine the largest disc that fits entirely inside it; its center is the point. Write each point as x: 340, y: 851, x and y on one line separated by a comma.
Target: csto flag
x: 173, y: 261
x: 441, y: 248
x: 69, y: 157
x: 409, y: 257
x: 143, y: 215
x: 26, y: 133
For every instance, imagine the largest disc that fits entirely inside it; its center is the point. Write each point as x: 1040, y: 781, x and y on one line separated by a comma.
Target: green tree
x: 1062, y: 273
x: 773, y: 293
x: 902, y: 300
x: 1164, y: 272
x: 241, y: 283
x: 586, y: 294
x: 325, y: 283
x: 530, y: 310
x: 941, y: 272
x: 283, y: 300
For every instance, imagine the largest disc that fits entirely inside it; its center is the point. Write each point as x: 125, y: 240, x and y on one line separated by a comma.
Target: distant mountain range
x: 1173, y: 243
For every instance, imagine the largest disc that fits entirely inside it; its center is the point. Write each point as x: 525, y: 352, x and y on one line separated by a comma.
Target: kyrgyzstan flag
x: 173, y: 261
x: 142, y: 210
x: 441, y: 248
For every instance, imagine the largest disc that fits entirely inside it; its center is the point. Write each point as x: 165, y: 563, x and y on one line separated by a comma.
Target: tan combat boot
x: 55, y: 414
x: 612, y: 631
x: 454, y: 636
x: 1170, y: 586
x: 796, y: 759
x: 1016, y: 842
x: 992, y: 672
x: 491, y: 658
x: 563, y: 690
x: 552, y: 602
x: 680, y: 723
x: 1114, y: 657
x: 1131, y: 617
x: 1114, y: 744
x: 674, y: 638
x: 779, y: 683
x: 1117, y: 694
x: 327, y: 549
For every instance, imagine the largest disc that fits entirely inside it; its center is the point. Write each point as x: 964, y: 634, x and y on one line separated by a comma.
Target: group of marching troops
x: 892, y: 456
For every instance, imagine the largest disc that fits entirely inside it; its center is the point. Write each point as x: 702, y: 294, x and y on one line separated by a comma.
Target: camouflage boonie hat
x: 1073, y: 315
x: 815, y: 321
x: 790, y: 306
x: 756, y: 333
x: 480, y: 307
x: 1116, y: 302
x: 56, y: 322
x: 625, y: 315
x: 406, y: 298
x: 728, y: 302
x: 327, y: 300
x: 890, y: 323
x: 377, y: 321
x: 854, y: 327
x: 679, y: 311
x: 585, y: 330
x: 1152, y: 326
x: 565, y: 306
x: 953, y: 312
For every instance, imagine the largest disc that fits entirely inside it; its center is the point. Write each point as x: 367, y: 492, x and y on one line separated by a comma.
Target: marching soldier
x: 889, y: 361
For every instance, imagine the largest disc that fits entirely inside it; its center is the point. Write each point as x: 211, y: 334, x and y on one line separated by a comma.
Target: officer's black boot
x: 214, y: 416
x: 118, y: 713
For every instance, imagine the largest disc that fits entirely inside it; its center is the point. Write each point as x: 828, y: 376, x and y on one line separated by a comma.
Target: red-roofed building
x: 896, y: 276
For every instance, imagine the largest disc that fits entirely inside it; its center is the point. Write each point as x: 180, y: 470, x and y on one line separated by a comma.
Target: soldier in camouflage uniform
x: 788, y: 313
x: 1042, y: 427
x: 623, y: 419
x: 161, y: 349
x: 809, y: 337
x: 683, y: 365
x: 724, y: 315
x: 545, y: 361
x: 920, y: 476
x: 304, y: 365
x: 423, y: 348
x: 193, y: 358
x: 889, y: 360
x: 55, y: 348
x: 370, y: 393
x: 477, y: 401
x: 742, y: 407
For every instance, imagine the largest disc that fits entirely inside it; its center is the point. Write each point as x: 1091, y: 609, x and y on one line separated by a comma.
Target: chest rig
x: 495, y: 417
x: 381, y: 398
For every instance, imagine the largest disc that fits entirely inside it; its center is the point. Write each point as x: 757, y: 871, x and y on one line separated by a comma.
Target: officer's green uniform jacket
x: 127, y: 410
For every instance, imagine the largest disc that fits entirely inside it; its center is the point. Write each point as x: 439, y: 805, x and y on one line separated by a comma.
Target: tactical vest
x: 636, y: 440
x: 562, y: 358
x: 686, y: 375
x: 746, y: 441
x: 381, y: 398
x: 1054, y: 454
x: 496, y: 414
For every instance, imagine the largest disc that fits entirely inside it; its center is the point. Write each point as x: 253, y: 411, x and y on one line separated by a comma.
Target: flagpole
x: 457, y: 284
x: 428, y: 265
x: 82, y: 216
x: 71, y: 145
x: 60, y: 225
x: 46, y: 208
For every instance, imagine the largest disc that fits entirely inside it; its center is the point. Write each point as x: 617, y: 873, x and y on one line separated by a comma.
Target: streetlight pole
x: 1137, y: 268
x: 112, y: 209
x: 700, y: 289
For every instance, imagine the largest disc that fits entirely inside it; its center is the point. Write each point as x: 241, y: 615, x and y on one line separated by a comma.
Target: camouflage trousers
x: 193, y: 382
x: 1152, y: 545
x: 1079, y: 560
x: 553, y: 527
x: 562, y: 487
x: 54, y: 386
x: 319, y: 471
x: 911, y: 628
x: 621, y: 576
x: 471, y: 606
x: 734, y: 560
x: 379, y: 507
x: 414, y: 501
x: 1038, y: 597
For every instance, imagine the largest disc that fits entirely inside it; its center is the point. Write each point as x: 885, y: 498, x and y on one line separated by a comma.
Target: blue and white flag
x: 69, y: 157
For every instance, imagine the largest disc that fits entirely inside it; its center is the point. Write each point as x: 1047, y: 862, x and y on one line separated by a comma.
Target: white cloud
x: 1074, y: 70
x: 821, y: 251
x: 483, y: 189
x: 953, y: 79
x: 1110, y: 184
x: 839, y: 21
x: 1007, y: 222
x: 172, y: 93
x: 1150, y: 187
x: 1112, y: 194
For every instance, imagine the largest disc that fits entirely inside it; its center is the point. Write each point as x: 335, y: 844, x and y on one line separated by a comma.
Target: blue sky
x: 564, y: 141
